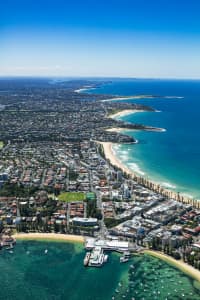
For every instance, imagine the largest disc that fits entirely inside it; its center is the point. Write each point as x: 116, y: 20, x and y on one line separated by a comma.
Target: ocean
x: 171, y: 158
x: 29, y: 273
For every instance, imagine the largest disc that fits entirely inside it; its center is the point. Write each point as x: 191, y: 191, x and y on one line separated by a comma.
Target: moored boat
x: 86, y: 259
x: 124, y: 259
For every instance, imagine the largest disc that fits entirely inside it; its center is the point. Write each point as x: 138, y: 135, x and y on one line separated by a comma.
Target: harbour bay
x: 60, y: 274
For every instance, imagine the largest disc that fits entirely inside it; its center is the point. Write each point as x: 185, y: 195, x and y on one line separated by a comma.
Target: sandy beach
x: 84, y: 89
x: 118, y: 129
x: 115, y: 129
x: 125, y: 112
x: 49, y: 236
x: 113, y: 159
x: 187, y: 269
x: 128, y: 98
x: 110, y: 155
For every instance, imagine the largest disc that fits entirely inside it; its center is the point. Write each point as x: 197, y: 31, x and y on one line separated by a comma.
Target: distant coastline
x: 117, y: 98
x: 124, y: 98
x: 135, y: 97
x: 84, y: 89
x: 127, y: 112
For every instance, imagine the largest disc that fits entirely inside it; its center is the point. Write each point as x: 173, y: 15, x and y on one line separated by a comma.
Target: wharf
x: 114, y: 245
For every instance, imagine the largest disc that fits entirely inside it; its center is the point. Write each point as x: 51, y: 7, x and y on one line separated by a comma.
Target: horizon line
x: 97, y: 77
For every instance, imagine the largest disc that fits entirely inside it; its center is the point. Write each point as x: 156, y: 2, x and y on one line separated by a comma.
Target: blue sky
x: 129, y: 38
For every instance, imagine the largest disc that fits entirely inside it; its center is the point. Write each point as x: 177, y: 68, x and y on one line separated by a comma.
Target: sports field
x: 71, y: 196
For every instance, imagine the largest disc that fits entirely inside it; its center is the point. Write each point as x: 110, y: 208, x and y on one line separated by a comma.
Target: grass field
x: 71, y: 196
x: 1, y: 144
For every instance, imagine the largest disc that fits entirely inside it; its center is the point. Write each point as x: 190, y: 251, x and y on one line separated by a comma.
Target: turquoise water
x: 171, y: 158
x: 29, y: 273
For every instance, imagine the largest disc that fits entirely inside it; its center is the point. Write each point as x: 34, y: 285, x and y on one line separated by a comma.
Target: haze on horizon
x: 113, y: 38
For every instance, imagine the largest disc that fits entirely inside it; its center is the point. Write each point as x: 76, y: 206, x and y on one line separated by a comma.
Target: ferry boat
x: 97, y: 257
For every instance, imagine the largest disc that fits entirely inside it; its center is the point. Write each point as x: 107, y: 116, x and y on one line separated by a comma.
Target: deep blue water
x: 171, y: 157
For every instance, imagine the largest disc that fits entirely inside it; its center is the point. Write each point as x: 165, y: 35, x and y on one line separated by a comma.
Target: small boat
x: 11, y: 252
x: 86, y: 259
x: 105, y: 258
x: 46, y: 251
x: 10, y: 247
x: 127, y: 253
x: 123, y: 259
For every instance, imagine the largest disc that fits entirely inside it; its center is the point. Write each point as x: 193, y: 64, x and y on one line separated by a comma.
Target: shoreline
x: 125, y: 112
x: 49, y: 236
x: 110, y: 155
x: 121, y: 98
x: 128, y: 98
x: 108, y: 151
x: 179, y: 264
x: 84, y: 89
x: 166, y: 191
x: 120, y: 129
x: 135, y: 97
